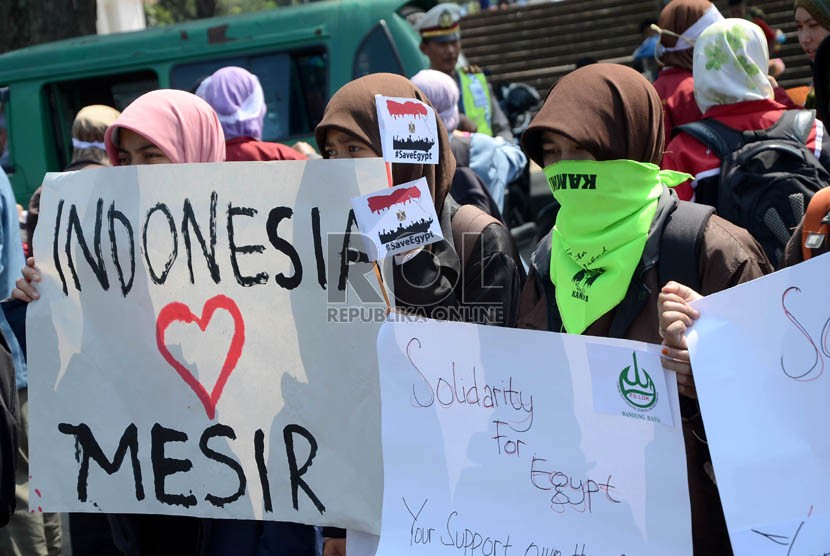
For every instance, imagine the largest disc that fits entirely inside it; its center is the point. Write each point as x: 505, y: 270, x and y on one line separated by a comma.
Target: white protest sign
x: 759, y: 353
x: 491, y: 446
x: 408, y: 130
x: 397, y: 220
x: 191, y: 352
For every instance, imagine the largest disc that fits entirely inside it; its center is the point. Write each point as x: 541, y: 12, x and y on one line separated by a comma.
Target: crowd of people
x: 655, y: 160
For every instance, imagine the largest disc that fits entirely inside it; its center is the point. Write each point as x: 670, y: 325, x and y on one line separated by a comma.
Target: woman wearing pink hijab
x: 163, y: 127
x: 166, y: 126
x: 171, y: 127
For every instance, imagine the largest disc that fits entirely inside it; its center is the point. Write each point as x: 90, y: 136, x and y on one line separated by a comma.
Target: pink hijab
x: 182, y: 125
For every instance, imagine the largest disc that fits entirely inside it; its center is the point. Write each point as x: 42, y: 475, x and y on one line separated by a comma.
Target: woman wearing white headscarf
x: 731, y: 87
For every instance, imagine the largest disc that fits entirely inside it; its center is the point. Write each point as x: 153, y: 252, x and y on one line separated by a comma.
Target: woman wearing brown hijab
x: 597, y: 273
x: 686, y: 19
x: 429, y: 282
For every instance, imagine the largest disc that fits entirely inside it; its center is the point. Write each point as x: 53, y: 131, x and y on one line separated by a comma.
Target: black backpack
x: 767, y: 176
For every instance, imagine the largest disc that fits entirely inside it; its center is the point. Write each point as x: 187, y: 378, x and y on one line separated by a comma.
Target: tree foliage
x: 28, y: 22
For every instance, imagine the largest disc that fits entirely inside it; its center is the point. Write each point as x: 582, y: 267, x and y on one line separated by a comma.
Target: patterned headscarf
x: 442, y: 92
x: 237, y: 97
x: 730, y: 64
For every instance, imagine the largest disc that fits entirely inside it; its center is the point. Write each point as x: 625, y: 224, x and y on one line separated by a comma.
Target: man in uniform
x: 441, y: 43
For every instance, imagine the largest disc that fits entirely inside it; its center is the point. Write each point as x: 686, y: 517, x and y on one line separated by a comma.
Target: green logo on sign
x: 637, y: 388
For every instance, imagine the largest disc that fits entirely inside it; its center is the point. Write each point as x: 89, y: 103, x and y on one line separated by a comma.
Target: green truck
x: 301, y: 54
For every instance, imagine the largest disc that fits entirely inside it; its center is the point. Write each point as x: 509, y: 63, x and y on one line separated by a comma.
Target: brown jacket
x: 728, y: 256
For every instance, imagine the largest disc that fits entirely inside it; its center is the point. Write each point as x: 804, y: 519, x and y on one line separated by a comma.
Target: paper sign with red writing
x: 408, y: 130
x: 195, y: 349
x: 397, y: 220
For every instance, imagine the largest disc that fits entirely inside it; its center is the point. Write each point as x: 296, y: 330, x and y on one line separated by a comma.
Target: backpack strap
x: 793, y: 125
x: 681, y: 243
x: 816, y: 223
x: 469, y: 220
x: 722, y: 139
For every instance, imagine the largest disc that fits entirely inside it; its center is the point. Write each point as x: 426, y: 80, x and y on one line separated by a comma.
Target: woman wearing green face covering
x: 599, y: 138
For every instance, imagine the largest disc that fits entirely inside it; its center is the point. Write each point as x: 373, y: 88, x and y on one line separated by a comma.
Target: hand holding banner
x: 187, y: 355
x: 759, y: 353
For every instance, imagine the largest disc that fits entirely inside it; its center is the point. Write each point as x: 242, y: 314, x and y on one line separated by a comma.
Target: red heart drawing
x: 179, y: 312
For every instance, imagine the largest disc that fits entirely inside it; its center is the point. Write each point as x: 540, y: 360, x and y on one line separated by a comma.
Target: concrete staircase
x: 538, y: 43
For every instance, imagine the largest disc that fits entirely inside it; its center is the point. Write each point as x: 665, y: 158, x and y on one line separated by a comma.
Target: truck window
x: 66, y: 98
x: 5, y: 161
x: 294, y: 84
x: 377, y: 53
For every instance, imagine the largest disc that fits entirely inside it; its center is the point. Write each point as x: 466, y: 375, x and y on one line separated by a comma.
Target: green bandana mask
x: 600, y: 232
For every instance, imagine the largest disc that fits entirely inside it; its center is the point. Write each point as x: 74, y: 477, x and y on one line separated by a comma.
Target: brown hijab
x: 352, y: 110
x: 610, y: 110
x: 676, y: 17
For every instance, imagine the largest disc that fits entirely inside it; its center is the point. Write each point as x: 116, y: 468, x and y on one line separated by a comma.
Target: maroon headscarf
x: 677, y: 16
x: 610, y: 110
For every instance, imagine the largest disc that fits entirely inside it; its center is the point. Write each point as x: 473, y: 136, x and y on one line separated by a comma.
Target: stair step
x: 538, y: 43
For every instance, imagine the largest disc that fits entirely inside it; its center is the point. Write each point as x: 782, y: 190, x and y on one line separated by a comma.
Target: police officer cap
x: 441, y: 23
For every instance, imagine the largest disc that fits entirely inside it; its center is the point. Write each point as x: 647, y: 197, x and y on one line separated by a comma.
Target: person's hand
x: 25, y: 289
x: 334, y: 547
x: 675, y: 317
x: 304, y: 148
x: 466, y: 124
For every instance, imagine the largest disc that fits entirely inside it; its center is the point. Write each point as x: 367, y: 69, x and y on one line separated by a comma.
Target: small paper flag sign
x: 397, y: 220
x: 408, y: 130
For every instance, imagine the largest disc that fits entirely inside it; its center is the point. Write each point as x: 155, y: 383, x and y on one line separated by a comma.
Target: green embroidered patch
x: 736, y: 38
x: 748, y: 66
x: 715, y: 57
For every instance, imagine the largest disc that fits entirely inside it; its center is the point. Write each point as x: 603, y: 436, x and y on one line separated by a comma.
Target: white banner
x: 199, y: 347
x: 493, y: 444
x: 759, y: 356
x: 397, y: 220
